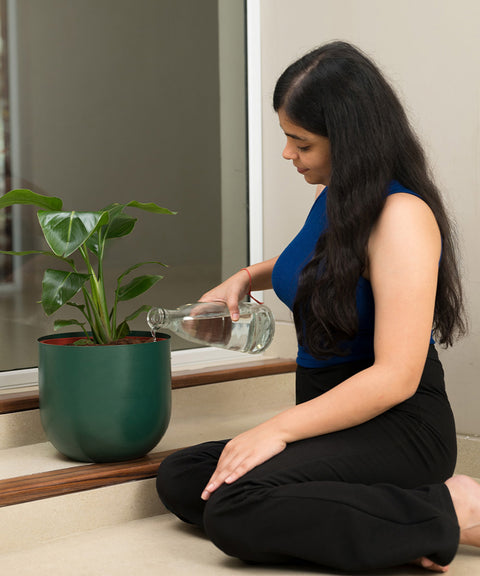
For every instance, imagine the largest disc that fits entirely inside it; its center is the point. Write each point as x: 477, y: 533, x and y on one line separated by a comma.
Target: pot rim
x: 72, y: 336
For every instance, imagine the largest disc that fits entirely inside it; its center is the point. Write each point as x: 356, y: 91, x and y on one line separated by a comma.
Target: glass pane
x: 120, y: 100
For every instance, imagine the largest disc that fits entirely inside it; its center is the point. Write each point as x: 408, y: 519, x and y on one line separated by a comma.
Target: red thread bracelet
x: 250, y: 286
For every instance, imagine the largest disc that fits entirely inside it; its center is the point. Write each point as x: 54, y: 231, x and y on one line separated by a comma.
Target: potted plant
x: 104, y: 391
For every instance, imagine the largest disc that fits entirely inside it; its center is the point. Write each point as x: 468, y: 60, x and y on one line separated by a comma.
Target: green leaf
x: 84, y: 342
x: 137, y: 286
x: 80, y: 307
x: 63, y: 323
x: 135, y: 266
x: 23, y: 196
x: 92, y: 243
x: 136, y: 314
x: 123, y: 330
x: 65, y: 232
x: 119, y: 224
x: 150, y: 207
x: 58, y: 287
x: 27, y: 252
x: 42, y: 252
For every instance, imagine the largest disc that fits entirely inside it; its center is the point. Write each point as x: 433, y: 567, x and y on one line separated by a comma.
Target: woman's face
x: 309, y: 152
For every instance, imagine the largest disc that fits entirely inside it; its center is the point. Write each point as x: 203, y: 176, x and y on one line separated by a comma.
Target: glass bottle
x: 210, y: 323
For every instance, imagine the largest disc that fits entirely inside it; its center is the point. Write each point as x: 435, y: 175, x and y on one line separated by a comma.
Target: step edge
x: 21, y: 489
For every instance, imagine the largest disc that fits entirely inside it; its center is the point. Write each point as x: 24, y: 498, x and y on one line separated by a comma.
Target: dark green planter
x: 105, y: 403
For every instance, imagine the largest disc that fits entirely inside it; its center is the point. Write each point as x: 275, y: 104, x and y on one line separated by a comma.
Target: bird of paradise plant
x: 88, y: 234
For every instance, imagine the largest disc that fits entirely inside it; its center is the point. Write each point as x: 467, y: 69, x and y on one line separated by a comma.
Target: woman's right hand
x: 231, y: 291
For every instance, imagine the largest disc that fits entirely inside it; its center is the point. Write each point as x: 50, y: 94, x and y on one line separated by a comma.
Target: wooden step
x: 77, y: 479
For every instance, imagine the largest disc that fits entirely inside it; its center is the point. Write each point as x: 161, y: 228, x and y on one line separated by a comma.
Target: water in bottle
x: 209, y: 323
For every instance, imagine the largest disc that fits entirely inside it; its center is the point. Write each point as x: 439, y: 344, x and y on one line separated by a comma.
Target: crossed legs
x: 354, y: 500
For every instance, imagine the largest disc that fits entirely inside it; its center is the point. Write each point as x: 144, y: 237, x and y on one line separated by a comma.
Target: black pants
x: 371, y: 496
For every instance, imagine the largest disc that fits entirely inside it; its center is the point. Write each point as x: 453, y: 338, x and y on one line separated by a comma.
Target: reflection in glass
x: 119, y: 100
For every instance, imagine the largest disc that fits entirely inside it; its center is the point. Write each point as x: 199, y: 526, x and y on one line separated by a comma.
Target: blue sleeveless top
x: 286, y: 274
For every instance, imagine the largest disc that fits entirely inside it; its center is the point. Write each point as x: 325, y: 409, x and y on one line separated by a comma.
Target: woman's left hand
x: 242, y: 454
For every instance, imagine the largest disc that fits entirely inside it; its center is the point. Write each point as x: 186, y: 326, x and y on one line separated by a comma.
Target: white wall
x: 430, y: 50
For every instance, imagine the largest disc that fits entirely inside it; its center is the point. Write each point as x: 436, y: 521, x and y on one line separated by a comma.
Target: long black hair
x: 337, y: 92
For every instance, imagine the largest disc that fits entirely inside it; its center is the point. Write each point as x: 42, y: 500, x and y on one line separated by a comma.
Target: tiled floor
x: 164, y: 545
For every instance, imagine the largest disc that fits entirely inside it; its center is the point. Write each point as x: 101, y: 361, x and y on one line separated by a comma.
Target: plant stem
x: 97, y: 301
x: 96, y: 324
x: 87, y: 310
x: 101, y: 284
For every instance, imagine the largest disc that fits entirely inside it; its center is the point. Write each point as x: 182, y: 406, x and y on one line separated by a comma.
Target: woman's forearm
x: 236, y: 287
x: 355, y: 401
x: 261, y: 274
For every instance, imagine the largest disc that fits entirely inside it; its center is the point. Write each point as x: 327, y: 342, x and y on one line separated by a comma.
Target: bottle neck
x: 156, y: 318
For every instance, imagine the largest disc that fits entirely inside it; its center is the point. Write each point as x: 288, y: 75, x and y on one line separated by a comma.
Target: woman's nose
x: 288, y: 152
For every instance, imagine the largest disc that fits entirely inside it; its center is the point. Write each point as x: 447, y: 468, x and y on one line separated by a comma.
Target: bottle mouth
x: 155, y: 318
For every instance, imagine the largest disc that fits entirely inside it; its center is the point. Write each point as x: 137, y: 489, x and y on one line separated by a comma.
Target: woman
x: 358, y: 474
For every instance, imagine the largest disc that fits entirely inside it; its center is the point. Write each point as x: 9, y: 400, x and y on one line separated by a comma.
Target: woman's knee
x: 229, y: 521
x: 181, y: 478
x: 167, y: 480
x: 222, y: 525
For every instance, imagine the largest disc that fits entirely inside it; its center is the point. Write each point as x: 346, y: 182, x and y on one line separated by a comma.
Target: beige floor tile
x: 163, y: 545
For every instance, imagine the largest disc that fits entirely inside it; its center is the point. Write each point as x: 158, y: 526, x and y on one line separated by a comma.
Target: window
x: 114, y: 100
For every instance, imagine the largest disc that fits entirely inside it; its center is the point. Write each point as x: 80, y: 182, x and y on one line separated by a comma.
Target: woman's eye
x: 303, y: 148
